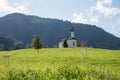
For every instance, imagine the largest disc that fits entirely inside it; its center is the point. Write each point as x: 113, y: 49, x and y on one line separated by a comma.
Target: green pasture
x: 60, y: 64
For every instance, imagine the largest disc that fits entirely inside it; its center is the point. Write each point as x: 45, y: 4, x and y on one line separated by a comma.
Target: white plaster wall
x: 70, y: 43
x: 61, y: 45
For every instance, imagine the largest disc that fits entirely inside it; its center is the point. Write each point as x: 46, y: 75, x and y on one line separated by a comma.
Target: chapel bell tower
x: 72, y: 32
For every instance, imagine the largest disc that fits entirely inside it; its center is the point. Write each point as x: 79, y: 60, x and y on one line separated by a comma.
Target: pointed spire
x: 72, y: 30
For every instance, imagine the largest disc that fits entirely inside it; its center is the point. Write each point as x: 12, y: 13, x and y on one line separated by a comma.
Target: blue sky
x: 102, y: 13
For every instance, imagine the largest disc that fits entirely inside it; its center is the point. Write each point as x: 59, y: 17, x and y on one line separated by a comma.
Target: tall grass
x: 62, y: 72
x: 60, y: 64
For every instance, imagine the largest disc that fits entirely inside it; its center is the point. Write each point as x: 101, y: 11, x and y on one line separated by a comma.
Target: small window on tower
x: 73, y: 43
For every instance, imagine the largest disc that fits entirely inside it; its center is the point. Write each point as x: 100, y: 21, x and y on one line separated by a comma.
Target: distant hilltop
x: 51, y: 31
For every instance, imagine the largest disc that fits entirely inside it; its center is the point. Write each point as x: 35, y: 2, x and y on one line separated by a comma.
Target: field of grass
x: 60, y: 64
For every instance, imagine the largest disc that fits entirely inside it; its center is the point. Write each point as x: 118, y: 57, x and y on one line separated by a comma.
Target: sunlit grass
x: 60, y: 64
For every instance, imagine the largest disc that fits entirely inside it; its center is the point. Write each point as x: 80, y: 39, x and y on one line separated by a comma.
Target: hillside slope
x: 7, y: 42
x: 60, y: 64
x: 52, y: 31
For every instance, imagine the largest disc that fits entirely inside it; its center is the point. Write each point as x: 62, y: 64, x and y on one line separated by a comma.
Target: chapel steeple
x: 72, y: 32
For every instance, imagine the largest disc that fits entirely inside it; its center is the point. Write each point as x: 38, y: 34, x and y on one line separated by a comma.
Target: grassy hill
x: 60, y: 64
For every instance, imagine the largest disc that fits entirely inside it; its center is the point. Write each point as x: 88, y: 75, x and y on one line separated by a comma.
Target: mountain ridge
x: 52, y: 31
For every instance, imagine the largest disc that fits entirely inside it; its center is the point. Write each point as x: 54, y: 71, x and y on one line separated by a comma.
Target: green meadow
x: 60, y: 64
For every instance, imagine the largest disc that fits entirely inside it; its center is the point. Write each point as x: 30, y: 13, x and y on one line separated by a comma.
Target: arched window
x: 73, y: 43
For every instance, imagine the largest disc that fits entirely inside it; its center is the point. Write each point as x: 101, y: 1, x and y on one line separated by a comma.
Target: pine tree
x: 36, y: 43
x: 65, y: 45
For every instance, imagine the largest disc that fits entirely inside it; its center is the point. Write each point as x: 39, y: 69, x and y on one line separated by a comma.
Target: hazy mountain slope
x: 7, y: 42
x: 51, y: 31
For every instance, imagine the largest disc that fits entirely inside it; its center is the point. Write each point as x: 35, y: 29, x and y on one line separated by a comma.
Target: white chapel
x: 71, y: 41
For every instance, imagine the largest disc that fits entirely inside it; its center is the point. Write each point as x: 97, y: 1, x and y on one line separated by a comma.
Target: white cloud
x: 5, y: 6
x: 94, y: 19
x: 85, y: 18
x: 107, y: 1
x: 106, y: 10
x: 79, y: 18
x: 101, y: 14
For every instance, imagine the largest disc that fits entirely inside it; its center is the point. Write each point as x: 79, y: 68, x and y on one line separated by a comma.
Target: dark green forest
x: 7, y: 42
x: 21, y: 28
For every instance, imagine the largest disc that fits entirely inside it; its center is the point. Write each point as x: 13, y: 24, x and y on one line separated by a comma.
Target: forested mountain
x: 7, y: 42
x: 52, y: 31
